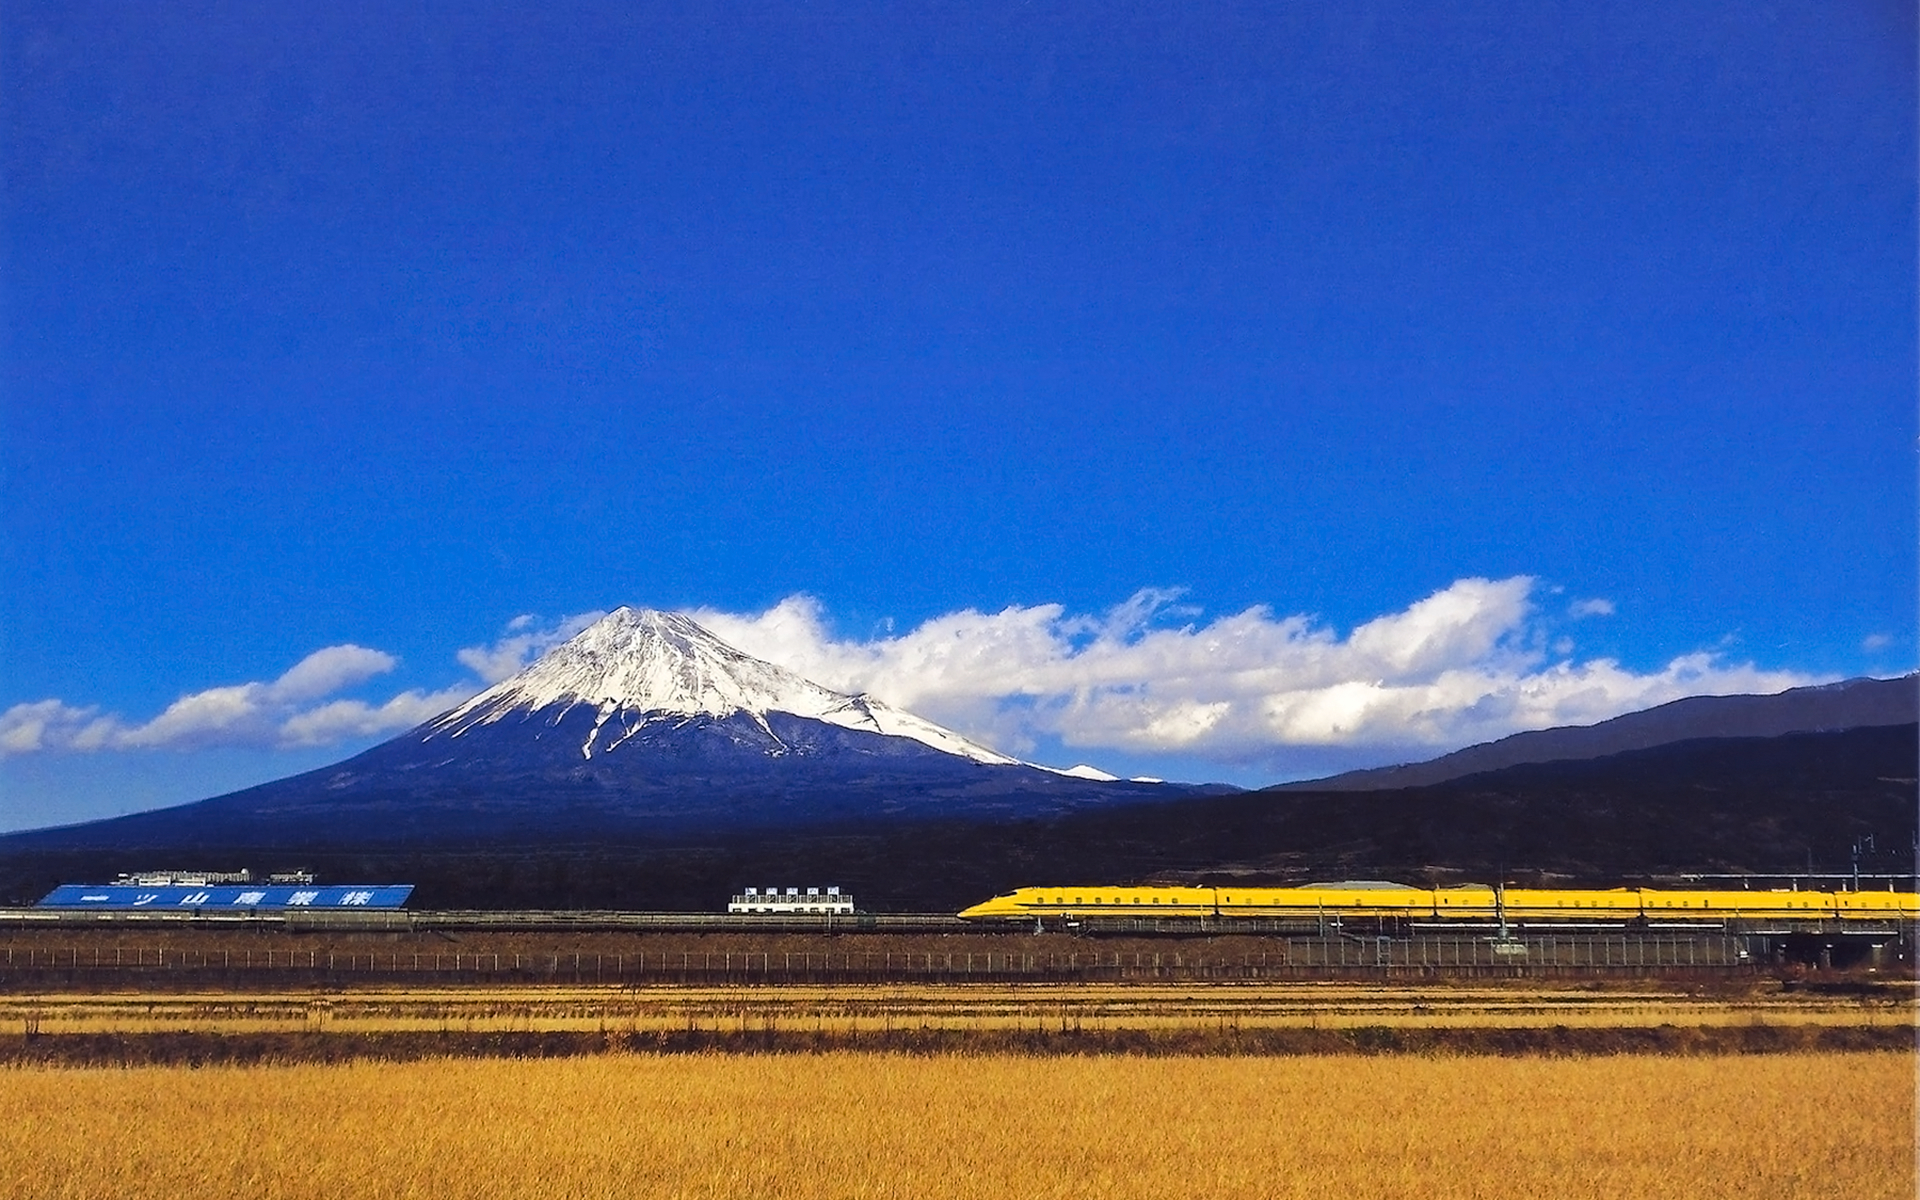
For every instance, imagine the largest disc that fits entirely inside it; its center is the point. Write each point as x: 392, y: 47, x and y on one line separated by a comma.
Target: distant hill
x: 1711, y: 805
x: 1708, y: 805
x: 1853, y: 704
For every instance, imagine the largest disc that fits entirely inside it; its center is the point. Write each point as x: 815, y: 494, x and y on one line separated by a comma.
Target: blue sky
x: 1258, y: 392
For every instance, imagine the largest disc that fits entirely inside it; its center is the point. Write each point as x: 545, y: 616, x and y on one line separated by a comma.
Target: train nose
x: 999, y: 906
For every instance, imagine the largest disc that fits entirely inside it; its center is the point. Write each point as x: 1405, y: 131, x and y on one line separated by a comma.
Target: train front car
x: 1103, y: 903
x: 1008, y: 906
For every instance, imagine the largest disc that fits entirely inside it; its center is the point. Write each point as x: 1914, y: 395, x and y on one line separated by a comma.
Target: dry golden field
x: 855, y: 1125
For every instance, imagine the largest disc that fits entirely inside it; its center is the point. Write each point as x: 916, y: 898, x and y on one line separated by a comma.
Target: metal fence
x: 1290, y: 958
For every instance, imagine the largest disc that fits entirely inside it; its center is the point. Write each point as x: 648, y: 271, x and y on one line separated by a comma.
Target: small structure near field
x: 811, y: 901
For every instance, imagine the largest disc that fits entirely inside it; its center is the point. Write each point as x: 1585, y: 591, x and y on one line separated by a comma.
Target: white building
x: 812, y: 902
x: 180, y: 878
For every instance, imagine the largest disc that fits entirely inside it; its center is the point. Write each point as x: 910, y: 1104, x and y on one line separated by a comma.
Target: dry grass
x: 852, y: 1125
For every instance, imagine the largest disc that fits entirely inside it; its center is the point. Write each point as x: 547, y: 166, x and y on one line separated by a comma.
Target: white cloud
x: 50, y: 725
x: 282, y: 713
x: 1875, y: 642
x: 1473, y: 661
x: 231, y: 715
x: 325, y: 672
x: 301, y: 708
x: 343, y: 720
x: 1597, y: 607
x: 506, y: 657
x: 1461, y: 624
x: 1465, y: 664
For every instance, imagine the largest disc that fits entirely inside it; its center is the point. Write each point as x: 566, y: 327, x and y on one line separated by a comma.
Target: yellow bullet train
x: 1468, y: 903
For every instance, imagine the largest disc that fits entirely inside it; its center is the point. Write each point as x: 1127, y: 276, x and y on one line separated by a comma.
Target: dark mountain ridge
x: 1851, y: 704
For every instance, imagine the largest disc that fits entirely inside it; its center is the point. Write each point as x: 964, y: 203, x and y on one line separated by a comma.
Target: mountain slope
x: 643, y: 726
x: 1853, y: 704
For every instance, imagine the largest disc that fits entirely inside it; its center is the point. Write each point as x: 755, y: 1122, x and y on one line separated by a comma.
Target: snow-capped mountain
x: 644, y: 726
x: 637, y: 668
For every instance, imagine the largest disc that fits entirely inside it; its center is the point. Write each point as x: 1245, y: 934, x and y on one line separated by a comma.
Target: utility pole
x: 1858, y: 842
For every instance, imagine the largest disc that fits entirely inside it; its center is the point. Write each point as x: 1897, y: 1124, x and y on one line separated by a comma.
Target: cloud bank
x: 524, y: 643
x: 283, y: 713
x: 1477, y: 660
x: 1467, y: 664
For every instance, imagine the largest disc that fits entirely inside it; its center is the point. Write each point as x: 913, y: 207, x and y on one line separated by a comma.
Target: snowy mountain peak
x: 660, y: 662
x: 664, y: 665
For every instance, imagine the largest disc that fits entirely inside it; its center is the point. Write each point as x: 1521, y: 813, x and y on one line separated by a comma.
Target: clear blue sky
x: 384, y: 324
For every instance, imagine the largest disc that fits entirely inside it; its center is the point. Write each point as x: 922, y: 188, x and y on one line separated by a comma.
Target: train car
x: 1393, y: 902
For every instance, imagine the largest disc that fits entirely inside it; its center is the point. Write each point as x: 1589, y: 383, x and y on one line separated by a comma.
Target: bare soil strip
x: 203, y: 1049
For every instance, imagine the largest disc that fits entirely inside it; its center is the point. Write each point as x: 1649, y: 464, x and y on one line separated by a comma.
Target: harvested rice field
x: 793, y: 1127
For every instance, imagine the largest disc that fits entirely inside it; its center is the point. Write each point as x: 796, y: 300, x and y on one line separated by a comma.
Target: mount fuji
x: 641, y: 674
x: 644, y: 726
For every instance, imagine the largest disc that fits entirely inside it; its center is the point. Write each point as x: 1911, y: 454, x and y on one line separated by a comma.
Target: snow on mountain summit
x: 665, y: 666
x: 1084, y: 771
x: 656, y: 662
